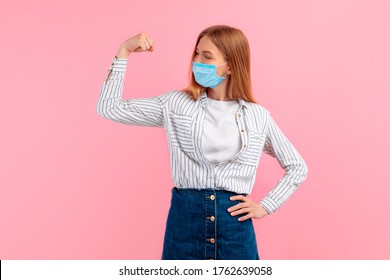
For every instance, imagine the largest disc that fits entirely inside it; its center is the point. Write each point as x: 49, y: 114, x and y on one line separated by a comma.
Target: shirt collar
x: 203, y: 100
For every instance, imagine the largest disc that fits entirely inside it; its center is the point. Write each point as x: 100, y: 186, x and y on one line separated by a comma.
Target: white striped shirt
x: 183, y: 120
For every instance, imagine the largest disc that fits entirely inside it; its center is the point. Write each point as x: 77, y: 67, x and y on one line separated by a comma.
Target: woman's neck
x: 219, y: 92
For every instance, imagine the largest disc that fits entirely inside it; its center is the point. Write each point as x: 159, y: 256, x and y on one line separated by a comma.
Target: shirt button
x: 212, y: 240
x: 212, y: 197
x: 229, y: 160
x: 242, y: 130
x: 244, y: 146
x: 238, y: 115
x: 212, y: 218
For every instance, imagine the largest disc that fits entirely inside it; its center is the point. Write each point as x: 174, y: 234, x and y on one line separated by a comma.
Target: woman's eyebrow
x: 208, y: 52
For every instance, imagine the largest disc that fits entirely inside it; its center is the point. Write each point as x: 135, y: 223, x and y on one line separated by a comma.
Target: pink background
x: 76, y: 186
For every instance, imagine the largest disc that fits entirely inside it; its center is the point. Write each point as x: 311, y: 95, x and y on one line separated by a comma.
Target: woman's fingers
x: 238, y: 206
x: 240, y: 211
x: 246, y: 217
x: 248, y: 206
x: 142, y: 45
x: 239, y: 197
x: 147, y: 42
x: 150, y: 41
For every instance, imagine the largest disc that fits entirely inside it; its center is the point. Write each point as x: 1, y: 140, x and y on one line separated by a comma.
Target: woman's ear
x: 228, y: 69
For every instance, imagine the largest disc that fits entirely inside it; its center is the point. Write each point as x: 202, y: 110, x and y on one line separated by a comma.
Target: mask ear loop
x: 221, y: 65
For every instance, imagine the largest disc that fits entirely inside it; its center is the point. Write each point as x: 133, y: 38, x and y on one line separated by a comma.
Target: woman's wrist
x: 122, y: 53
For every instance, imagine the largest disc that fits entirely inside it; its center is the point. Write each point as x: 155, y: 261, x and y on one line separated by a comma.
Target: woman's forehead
x: 205, y: 44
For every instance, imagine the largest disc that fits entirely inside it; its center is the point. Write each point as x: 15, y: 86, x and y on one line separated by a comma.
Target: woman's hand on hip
x: 138, y: 43
x: 252, y: 208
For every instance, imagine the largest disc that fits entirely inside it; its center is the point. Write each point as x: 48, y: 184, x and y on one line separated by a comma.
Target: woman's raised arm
x: 134, y: 111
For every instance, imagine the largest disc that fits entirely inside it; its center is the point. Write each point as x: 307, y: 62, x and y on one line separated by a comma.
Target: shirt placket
x: 243, y: 134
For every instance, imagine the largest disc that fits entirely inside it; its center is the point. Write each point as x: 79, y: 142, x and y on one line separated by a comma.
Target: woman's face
x: 208, y: 53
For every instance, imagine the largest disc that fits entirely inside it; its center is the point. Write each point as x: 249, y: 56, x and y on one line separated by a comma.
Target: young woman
x: 216, y: 134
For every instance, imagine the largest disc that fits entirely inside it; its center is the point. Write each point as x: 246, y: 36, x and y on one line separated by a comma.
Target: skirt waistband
x: 203, y: 190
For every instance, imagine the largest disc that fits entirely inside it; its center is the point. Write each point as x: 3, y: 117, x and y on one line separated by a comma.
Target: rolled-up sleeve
x: 277, y: 145
x: 134, y: 111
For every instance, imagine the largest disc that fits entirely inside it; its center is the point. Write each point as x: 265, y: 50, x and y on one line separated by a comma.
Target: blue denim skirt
x: 199, y: 227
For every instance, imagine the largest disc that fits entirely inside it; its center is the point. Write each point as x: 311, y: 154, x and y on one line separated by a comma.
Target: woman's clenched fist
x: 138, y: 43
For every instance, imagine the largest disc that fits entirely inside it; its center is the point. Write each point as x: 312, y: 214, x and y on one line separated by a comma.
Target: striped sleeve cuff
x: 119, y: 64
x: 269, y: 204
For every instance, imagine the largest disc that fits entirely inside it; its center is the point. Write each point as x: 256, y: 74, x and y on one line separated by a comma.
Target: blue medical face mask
x: 206, y: 74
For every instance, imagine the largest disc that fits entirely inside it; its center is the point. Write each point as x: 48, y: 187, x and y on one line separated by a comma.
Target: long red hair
x: 234, y: 45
